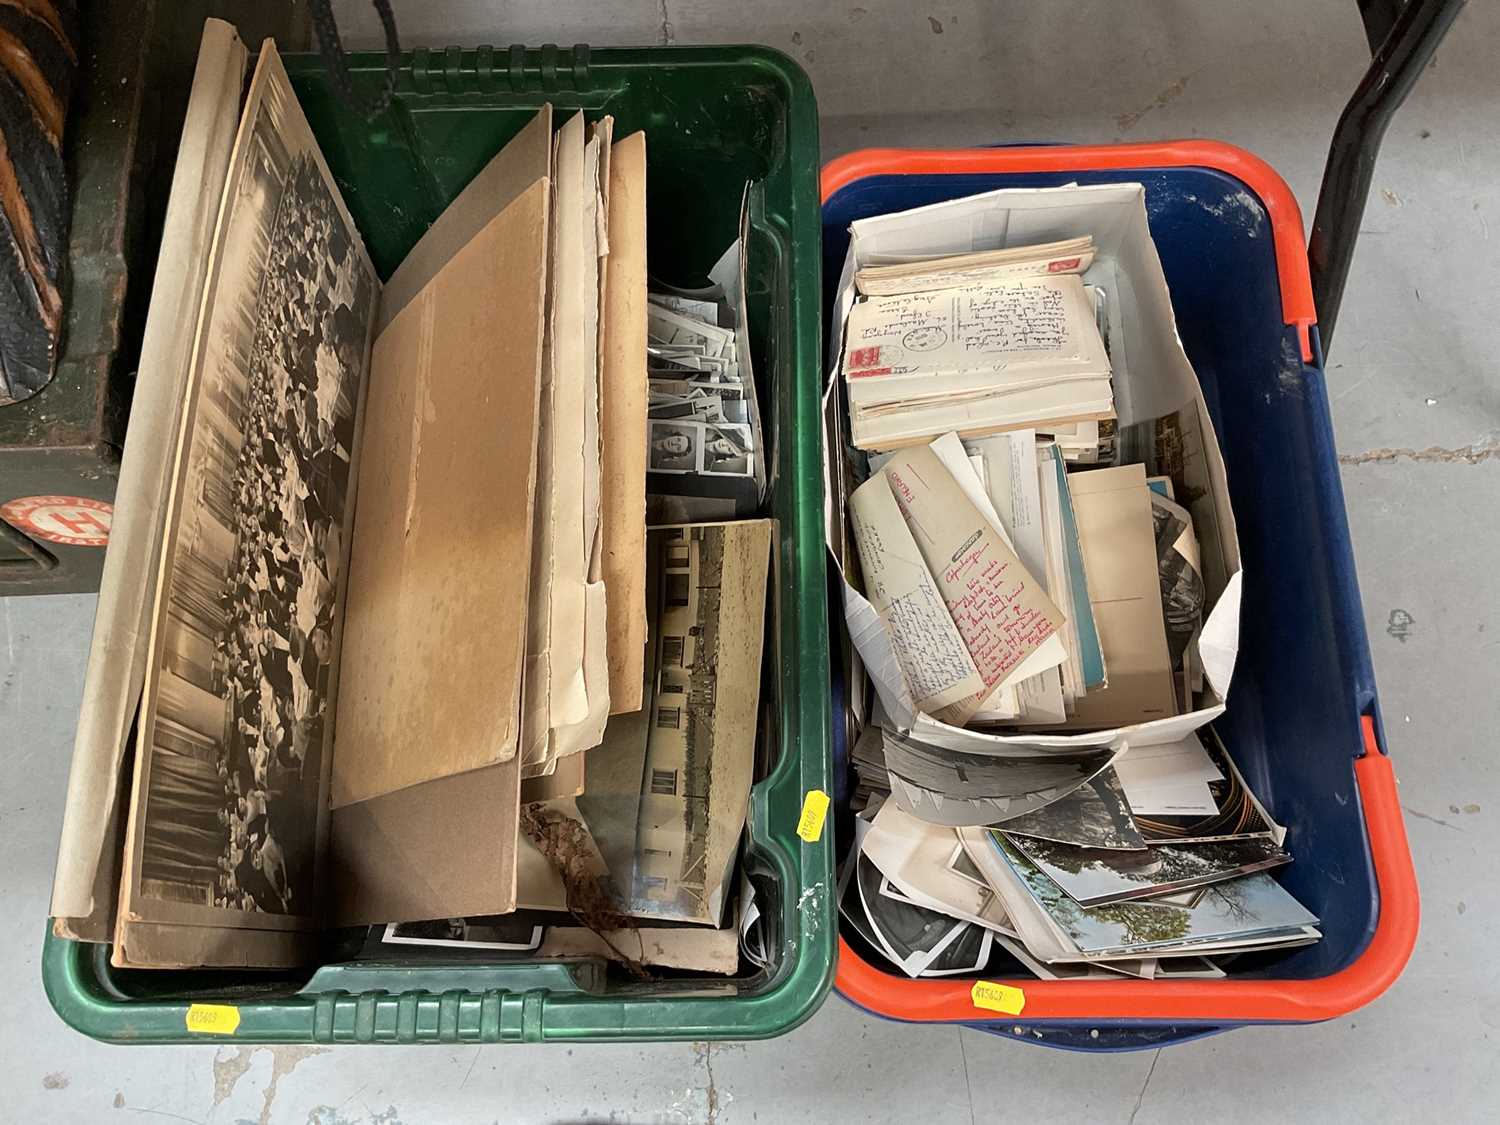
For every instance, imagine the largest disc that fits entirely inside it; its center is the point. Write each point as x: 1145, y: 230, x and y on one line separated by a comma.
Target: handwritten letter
x: 1001, y: 612
x: 934, y: 660
x: 984, y: 326
x: 1029, y: 317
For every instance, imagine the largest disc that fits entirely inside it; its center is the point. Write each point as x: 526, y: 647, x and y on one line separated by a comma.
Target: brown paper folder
x: 426, y: 774
x: 436, y: 620
x: 527, y: 156
x: 446, y: 849
x: 622, y: 412
x: 1117, y: 536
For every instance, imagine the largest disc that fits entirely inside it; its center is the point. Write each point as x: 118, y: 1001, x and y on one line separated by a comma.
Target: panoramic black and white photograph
x: 235, y: 738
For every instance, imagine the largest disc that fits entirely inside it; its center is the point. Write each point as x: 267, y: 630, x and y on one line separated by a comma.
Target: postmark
x: 925, y: 338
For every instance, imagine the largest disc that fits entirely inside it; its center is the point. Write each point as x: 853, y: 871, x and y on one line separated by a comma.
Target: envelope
x: 1115, y: 530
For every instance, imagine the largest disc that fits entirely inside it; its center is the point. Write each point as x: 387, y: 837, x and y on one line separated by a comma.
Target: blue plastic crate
x: 1302, y: 721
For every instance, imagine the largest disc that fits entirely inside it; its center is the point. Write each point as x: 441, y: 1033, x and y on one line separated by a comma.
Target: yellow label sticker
x: 213, y: 1019
x: 994, y: 997
x: 814, y: 812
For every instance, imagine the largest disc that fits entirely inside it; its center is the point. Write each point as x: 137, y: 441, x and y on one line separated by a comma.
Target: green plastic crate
x: 714, y: 118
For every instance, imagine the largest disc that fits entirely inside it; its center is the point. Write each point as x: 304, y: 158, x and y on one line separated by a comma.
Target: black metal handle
x: 1398, y: 61
x: 331, y: 47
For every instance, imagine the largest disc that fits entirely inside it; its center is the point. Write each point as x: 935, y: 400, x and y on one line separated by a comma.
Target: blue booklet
x: 1089, y: 652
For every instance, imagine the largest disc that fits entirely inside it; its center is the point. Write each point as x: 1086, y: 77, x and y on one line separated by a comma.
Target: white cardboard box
x: 1153, y: 378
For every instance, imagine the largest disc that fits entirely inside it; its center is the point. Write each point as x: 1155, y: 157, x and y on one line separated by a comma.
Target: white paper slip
x: 909, y: 424
x: 691, y: 307
x: 1014, y: 490
x: 1170, y: 763
x: 946, y: 272
x: 1170, y: 779
x: 1191, y: 798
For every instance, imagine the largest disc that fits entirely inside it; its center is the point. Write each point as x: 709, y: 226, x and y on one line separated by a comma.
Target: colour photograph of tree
x: 1095, y: 876
x: 1252, y: 906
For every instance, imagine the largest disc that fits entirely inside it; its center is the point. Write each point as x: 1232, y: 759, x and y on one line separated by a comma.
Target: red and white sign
x: 74, y: 521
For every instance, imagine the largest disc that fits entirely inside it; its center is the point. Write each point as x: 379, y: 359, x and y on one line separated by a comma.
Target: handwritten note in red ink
x: 929, y: 651
x: 1001, y: 611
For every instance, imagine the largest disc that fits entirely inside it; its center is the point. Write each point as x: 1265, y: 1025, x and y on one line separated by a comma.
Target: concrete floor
x: 1412, y: 369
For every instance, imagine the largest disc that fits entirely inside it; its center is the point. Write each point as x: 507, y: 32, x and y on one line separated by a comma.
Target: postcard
x: 1097, y: 877
x: 1252, y: 910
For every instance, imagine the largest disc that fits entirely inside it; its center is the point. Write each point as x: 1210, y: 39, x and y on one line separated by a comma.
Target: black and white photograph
x: 950, y: 787
x: 688, y: 387
x: 920, y: 941
x: 518, y: 934
x: 686, y: 409
x: 727, y: 450
x: 236, y: 717
x: 700, y: 404
x: 709, y: 579
x: 701, y: 448
x: 1183, y: 595
x: 1095, y: 815
x: 674, y: 447
x: 672, y: 875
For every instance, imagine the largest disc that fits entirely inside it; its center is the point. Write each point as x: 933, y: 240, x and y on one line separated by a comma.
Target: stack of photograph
x: 707, y: 457
x: 1163, y: 875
